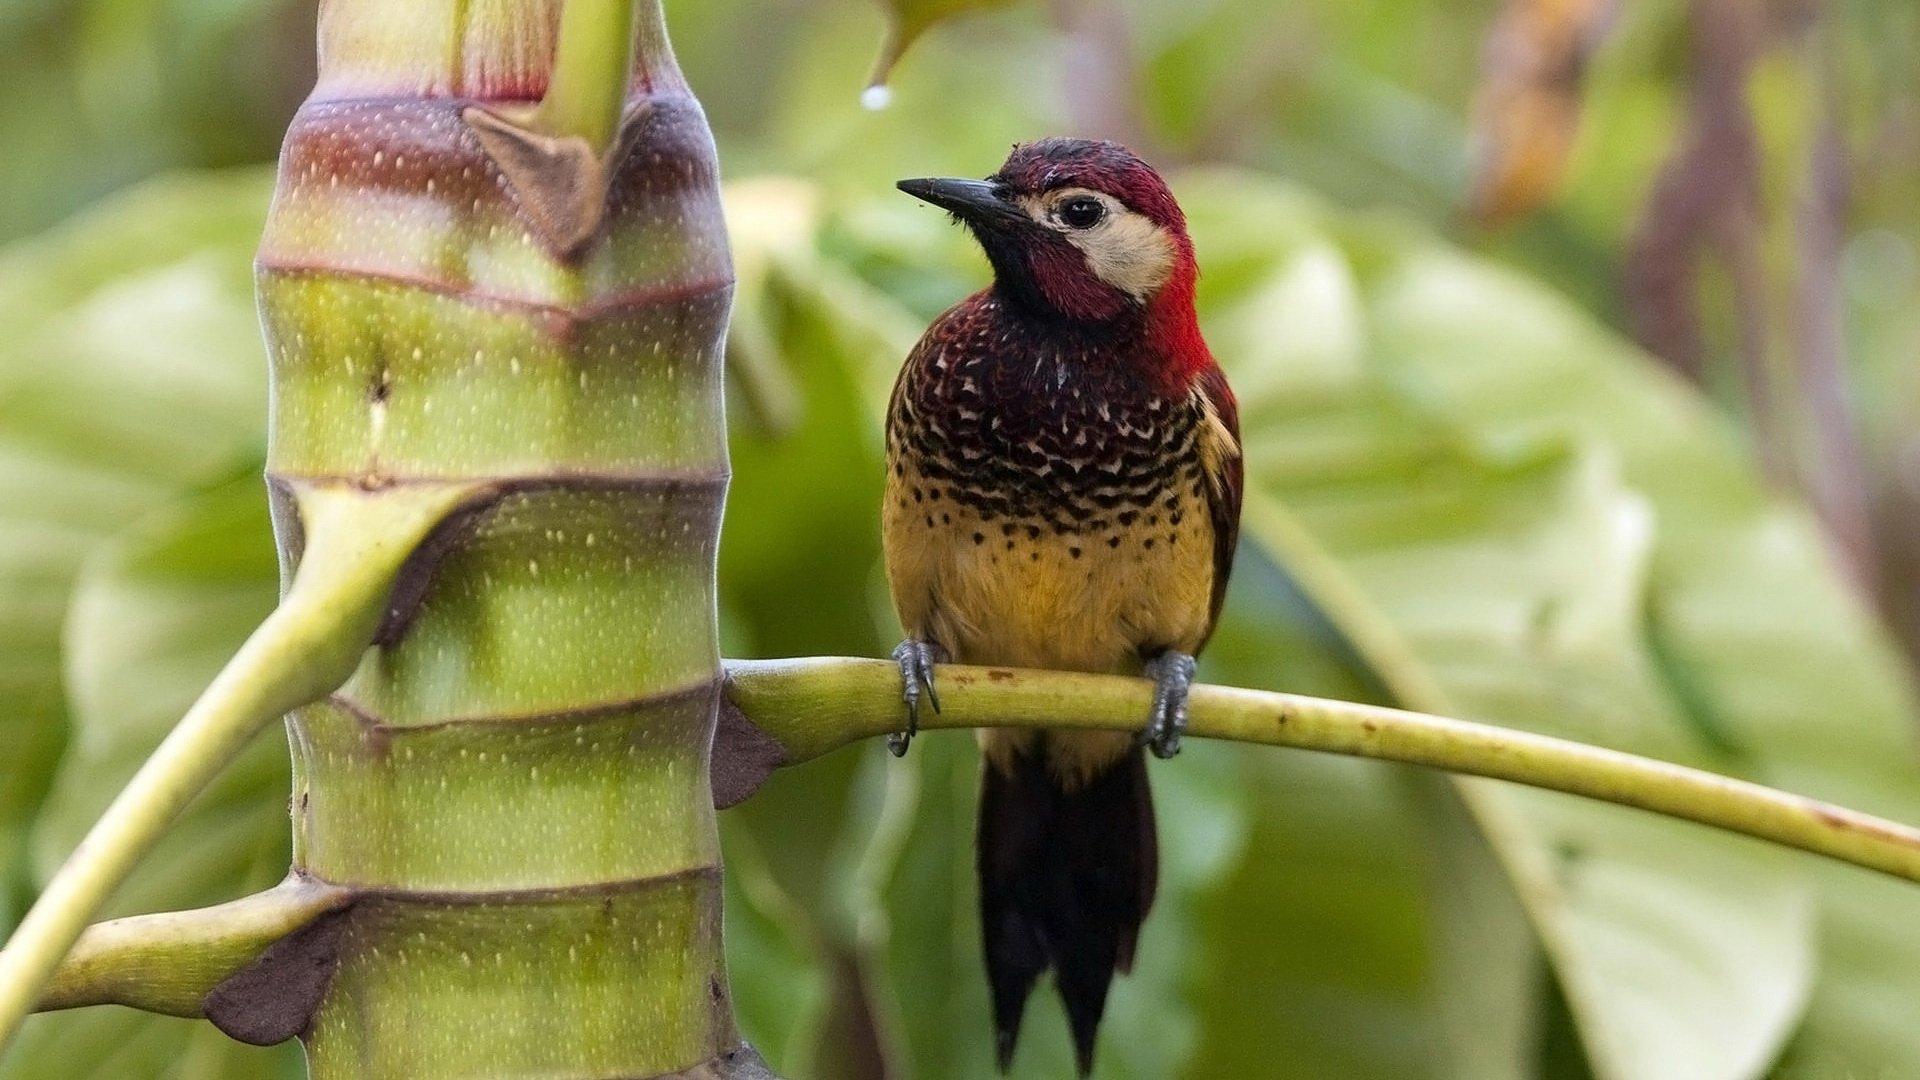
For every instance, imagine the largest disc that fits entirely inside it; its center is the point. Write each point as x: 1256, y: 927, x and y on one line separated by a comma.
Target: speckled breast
x: 1045, y: 509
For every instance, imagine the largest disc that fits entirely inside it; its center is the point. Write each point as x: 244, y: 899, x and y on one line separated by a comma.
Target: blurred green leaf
x: 811, y: 851
x: 1775, y: 658
x: 131, y: 372
x: 153, y: 619
x: 908, y: 19
x: 99, y: 94
x: 1327, y: 907
x: 1501, y: 580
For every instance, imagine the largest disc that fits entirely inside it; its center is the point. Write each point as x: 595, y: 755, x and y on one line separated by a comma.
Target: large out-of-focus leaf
x: 1324, y: 909
x: 153, y: 618
x: 1774, y: 657
x: 98, y: 94
x: 1504, y: 580
x: 1370, y: 906
x: 1755, y: 635
x: 132, y: 375
x: 130, y: 371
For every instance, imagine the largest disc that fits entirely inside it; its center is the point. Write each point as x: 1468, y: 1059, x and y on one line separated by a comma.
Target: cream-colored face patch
x: 1122, y: 247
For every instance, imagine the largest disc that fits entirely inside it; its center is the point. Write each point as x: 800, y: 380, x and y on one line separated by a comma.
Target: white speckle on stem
x: 876, y: 97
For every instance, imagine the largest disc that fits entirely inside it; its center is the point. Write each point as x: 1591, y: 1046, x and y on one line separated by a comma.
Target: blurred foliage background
x: 1576, y: 342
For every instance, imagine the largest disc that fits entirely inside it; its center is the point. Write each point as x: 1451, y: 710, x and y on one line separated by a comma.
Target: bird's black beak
x: 976, y: 202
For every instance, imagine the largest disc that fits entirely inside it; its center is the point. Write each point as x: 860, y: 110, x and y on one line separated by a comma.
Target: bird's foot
x: 916, y: 659
x: 1172, y: 675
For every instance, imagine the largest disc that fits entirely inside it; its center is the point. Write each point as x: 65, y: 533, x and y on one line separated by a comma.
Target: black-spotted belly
x: 1033, y: 590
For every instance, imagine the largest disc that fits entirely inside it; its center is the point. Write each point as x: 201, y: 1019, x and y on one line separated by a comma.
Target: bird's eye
x: 1082, y: 213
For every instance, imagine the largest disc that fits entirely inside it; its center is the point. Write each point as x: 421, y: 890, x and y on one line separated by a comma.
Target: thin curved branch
x: 788, y: 711
x: 168, y: 963
x: 591, y: 67
x: 356, y: 545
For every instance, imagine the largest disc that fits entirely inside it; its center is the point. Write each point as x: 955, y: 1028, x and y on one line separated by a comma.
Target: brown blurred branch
x: 1526, y: 114
x: 1898, y: 518
x: 1101, y: 85
x: 1707, y: 196
x: 1834, y: 470
x: 1707, y: 206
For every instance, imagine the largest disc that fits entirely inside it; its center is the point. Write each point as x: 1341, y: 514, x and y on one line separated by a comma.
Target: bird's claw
x: 916, y: 659
x: 1172, y: 675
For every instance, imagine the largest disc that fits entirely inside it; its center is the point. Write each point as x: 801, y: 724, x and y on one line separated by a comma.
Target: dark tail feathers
x: 1066, y: 878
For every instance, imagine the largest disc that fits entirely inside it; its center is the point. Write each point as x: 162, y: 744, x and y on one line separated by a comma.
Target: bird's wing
x: 1224, y: 468
x: 909, y: 571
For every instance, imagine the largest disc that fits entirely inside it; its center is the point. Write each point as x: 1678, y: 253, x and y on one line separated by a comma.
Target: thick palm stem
x: 461, y: 280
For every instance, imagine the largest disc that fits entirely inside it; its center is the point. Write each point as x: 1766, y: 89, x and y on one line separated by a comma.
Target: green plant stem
x: 356, y: 543
x: 812, y: 706
x: 167, y: 963
x: 591, y: 67
x: 515, y: 780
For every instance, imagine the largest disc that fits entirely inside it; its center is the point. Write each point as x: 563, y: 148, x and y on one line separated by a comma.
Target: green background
x: 1468, y: 493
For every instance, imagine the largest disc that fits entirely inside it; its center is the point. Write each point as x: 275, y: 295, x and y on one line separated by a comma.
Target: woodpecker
x: 1063, y: 491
